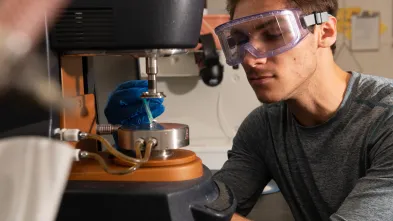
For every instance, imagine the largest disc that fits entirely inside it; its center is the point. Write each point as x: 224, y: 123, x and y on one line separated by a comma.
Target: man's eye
x: 272, y: 36
x: 241, y: 39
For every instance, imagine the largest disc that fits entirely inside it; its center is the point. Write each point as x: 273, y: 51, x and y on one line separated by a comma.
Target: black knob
x: 212, y: 75
x: 212, y: 71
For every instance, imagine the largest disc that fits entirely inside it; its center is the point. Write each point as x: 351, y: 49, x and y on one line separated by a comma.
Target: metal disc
x: 168, y: 135
x: 153, y: 95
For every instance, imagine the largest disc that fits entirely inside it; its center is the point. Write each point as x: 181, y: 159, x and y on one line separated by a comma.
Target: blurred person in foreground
x: 23, y: 26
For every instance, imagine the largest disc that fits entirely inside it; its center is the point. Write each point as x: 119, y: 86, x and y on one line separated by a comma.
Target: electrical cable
x: 149, y: 146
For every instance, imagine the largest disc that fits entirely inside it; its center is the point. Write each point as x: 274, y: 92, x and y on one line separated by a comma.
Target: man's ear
x: 328, y: 33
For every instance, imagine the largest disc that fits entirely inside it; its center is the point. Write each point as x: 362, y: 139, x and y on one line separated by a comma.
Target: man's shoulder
x: 375, y: 90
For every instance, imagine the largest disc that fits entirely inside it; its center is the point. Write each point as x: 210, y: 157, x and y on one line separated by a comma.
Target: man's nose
x: 252, y: 61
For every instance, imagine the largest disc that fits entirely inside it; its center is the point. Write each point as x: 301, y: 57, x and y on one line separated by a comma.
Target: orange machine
x: 166, y: 161
x: 149, y: 176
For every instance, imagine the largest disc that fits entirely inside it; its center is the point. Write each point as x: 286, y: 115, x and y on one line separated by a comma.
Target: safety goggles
x: 266, y: 34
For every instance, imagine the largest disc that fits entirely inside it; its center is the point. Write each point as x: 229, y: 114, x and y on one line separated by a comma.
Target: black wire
x: 48, y: 61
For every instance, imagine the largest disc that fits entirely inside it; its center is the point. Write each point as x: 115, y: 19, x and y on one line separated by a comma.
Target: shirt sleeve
x: 372, y: 197
x: 244, y: 171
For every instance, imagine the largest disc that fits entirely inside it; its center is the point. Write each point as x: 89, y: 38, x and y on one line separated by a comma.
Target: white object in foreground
x: 33, y: 175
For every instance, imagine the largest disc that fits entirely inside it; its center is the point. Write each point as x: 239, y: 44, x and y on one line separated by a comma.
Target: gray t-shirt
x: 340, y: 170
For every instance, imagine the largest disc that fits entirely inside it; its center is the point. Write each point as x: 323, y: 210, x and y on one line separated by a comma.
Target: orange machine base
x: 181, y: 166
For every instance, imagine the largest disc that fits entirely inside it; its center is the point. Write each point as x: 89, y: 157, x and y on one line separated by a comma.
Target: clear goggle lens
x: 262, y: 35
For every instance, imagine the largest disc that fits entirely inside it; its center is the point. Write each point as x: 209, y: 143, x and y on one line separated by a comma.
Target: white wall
x: 377, y: 62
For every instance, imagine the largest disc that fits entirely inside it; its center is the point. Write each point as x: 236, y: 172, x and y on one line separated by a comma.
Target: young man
x: 323, y: 134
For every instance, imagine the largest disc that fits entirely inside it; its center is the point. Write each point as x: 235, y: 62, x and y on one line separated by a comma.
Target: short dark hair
x: 307, y: 6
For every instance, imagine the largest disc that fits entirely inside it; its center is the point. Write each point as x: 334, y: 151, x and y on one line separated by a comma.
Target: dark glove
x: 126, y: 108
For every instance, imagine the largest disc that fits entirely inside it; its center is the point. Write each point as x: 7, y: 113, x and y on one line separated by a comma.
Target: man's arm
x: 372, y: 197
x: 245, y: 172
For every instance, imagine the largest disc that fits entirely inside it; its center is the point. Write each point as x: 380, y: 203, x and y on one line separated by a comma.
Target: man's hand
x: 237, y: 217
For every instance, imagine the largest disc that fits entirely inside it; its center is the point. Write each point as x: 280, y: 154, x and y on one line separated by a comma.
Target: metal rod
x: 151, y: 71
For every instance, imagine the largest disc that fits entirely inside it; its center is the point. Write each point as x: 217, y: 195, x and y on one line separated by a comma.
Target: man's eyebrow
x: 258, y: 27
x: 267, y: 23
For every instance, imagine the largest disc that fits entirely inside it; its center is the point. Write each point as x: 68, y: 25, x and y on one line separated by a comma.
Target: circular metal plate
x: 168, y: 135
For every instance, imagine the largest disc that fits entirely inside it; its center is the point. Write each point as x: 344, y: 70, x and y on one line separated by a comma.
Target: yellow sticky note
x: 383, y: 28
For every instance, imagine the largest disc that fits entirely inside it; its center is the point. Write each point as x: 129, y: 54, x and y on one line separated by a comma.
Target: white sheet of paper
x: 365, y: 33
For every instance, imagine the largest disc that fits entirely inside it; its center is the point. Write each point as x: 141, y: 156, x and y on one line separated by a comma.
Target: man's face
x: 280, y: 77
